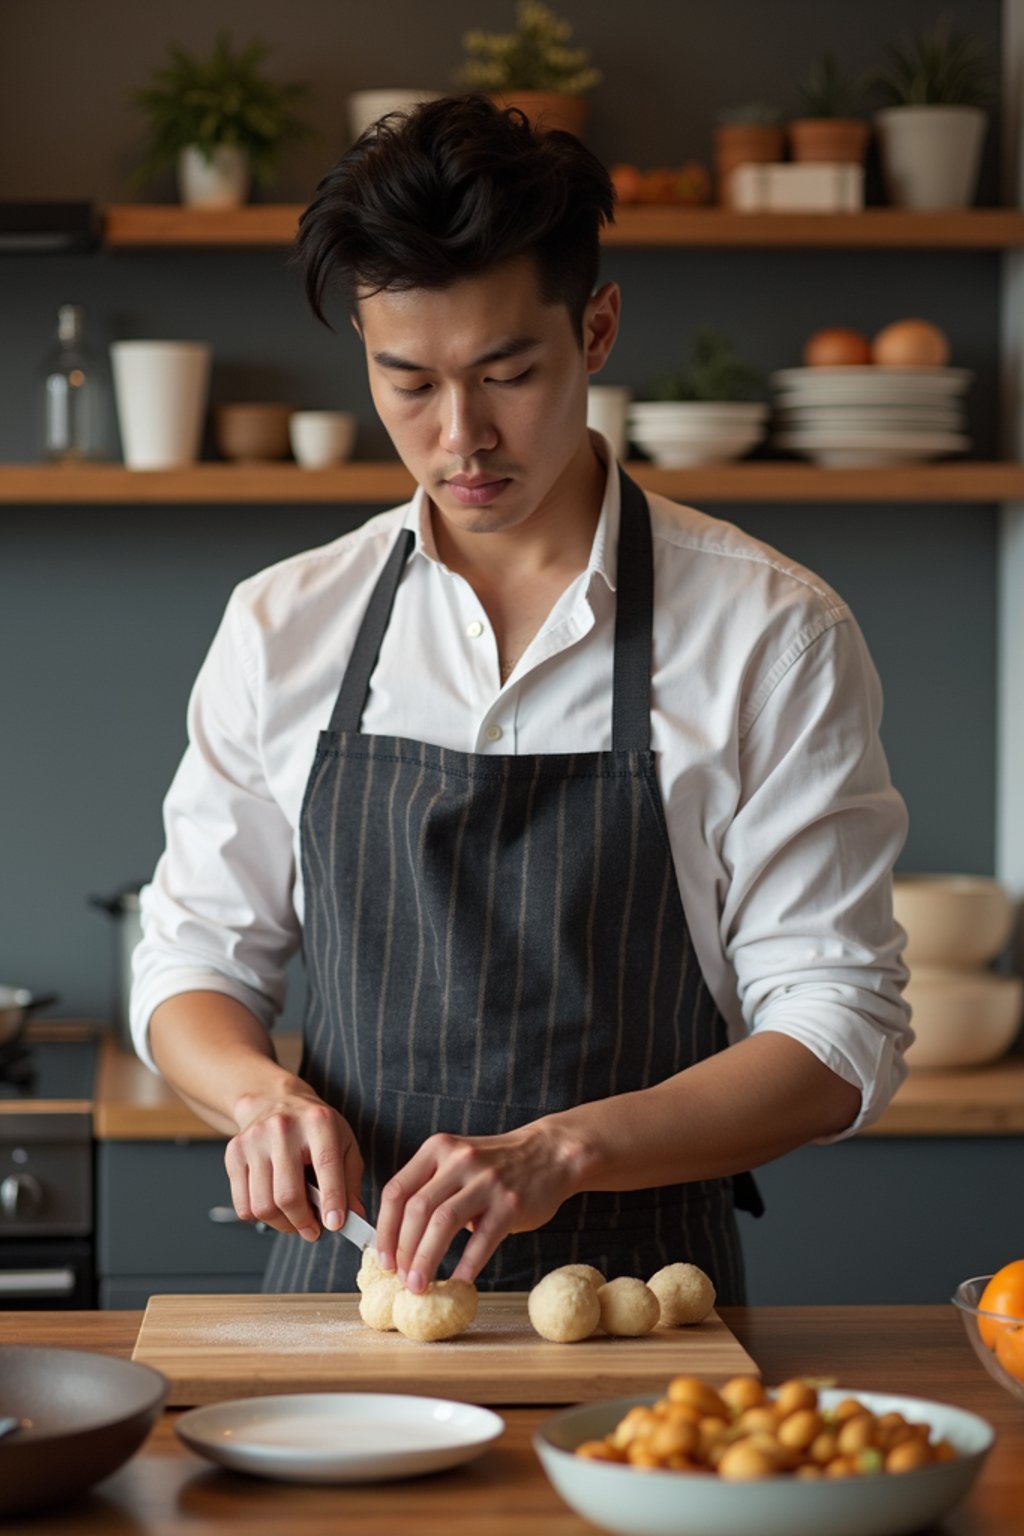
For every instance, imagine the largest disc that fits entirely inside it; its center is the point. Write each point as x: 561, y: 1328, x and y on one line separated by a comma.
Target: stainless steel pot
x: 16, y: 1004
x: 124, y: 907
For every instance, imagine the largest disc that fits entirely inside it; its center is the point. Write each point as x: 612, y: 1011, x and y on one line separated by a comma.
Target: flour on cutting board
x: 318, y: 1331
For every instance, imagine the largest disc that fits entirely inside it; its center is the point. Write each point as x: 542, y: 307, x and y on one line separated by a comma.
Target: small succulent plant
x: 715, y: 372
x: 535, y: 57
x: 828, y: 91
x: 941, y: 67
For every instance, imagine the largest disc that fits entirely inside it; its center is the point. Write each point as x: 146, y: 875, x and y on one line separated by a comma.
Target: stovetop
x: 47, y: 1069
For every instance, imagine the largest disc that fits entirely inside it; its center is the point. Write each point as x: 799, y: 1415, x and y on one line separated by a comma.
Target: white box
x: 804, y: 188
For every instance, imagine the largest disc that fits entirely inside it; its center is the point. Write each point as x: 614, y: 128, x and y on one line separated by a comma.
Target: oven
x: 47, y: 1252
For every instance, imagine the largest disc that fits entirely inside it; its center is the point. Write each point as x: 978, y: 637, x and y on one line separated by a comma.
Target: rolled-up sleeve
x: 218, y: 914
x: 807, y: 922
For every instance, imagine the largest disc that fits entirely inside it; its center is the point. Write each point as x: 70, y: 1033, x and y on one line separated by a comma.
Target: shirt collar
x: 606, y: 535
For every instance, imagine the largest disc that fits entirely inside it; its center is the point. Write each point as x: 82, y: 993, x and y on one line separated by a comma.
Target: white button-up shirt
x: 784, y: 825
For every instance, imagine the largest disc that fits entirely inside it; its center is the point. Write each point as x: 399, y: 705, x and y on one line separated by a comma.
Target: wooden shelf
x: 386, y: 484
x: 137, y: 225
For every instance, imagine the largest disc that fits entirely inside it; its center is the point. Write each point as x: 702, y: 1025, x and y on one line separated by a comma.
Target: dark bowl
x: 85, y: 1415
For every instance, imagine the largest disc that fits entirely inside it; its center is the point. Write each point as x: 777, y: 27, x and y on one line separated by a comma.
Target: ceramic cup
x: 252, y: 431
x: 607, y: 405
x: 320, y: 438
x: 160, y: 388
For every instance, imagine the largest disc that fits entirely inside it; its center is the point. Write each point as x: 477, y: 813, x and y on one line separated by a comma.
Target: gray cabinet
x: 165, y: 1223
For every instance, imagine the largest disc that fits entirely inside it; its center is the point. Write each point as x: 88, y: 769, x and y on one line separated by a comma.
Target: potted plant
x: 828, y: 127
x: 710, y: 411
x: 219, y: 120
x: 532, y: 68
x: 750, y: 134
x: 931, y: 131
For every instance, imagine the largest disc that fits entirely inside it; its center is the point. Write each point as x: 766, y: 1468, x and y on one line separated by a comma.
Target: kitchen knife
x: 358, y: 1231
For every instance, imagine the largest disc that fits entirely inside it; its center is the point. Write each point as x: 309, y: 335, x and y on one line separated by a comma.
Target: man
x: 575, y: 796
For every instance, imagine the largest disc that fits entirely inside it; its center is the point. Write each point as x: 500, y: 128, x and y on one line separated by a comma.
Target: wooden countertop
x: 165, y: 1490
x: 132, y: 1104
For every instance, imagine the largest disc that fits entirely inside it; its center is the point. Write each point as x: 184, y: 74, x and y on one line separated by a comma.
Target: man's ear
x: 356, y: 326
x: 601, y: 325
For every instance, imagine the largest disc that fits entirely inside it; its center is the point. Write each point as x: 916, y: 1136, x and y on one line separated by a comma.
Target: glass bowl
x: 965, y: 1299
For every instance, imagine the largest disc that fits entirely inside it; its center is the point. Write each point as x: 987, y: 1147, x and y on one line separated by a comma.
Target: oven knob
x: 20, y: 1195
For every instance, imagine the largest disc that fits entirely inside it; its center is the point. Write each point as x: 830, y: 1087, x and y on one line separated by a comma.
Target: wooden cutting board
x: 216, y: 1347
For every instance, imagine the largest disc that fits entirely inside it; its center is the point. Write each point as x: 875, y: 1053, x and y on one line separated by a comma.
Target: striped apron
x: 489, y: 939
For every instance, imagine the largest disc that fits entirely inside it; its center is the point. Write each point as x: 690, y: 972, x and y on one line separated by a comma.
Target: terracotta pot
x: 837, y: 140
x: 744, y: 144
x: 547, y: 109
x: 252, y: 432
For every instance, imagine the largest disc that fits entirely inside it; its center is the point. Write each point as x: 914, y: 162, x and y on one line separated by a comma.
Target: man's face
x: 483, y: 387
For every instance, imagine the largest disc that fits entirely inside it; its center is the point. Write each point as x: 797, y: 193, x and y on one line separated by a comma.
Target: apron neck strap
x: 634, y: 618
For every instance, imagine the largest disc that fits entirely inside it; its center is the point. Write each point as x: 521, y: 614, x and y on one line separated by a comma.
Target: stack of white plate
x: 677, y: 434
x: 853, y: 416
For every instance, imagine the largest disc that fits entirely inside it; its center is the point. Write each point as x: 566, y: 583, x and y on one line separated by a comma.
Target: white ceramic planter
x: 365, y: 107
x: 161, y: 389
x: 220, y: 183
x: 930, y: 155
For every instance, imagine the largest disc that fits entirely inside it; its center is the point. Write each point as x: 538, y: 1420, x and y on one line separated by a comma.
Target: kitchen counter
x: 165, y: 1489
x: 132, y: 1104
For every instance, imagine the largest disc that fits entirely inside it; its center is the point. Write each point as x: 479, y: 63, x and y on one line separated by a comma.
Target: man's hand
x: 280, y: 1136
x: 493, y: 1185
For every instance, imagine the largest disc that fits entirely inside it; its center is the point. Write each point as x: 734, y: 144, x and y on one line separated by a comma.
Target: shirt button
x: 474, y: 629
x: 493, y: 733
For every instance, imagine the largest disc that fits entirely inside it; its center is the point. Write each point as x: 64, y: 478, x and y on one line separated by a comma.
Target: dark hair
x: 450, y: 190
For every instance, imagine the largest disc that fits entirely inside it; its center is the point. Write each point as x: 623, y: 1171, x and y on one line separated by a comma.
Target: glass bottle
x: 70, y: 393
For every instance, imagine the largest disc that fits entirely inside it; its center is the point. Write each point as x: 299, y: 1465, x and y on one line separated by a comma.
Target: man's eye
x: 519, y: 378
x: 419, y: 389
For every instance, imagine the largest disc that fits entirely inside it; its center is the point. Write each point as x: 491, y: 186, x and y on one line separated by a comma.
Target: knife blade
x: 358, y: 1231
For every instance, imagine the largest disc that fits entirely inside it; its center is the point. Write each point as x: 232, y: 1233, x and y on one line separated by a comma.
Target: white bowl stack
x: 965, y: 1015
x: 681, y: 434
x: 868, y: 415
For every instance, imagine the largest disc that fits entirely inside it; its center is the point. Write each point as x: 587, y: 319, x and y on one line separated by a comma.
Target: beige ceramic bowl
x: 252, y: 432
x: 952, y: 920
x: 962, y: 1018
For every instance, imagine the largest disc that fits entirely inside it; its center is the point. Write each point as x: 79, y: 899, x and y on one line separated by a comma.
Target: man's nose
x: 466, y: 426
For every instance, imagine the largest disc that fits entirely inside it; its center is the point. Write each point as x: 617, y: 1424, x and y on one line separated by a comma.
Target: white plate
x: 640, y: 1503
x: 339, y: 1437
x: 858, y: 449
x: 870, y: 381
x: 911, y: 418
x: 735, y: 413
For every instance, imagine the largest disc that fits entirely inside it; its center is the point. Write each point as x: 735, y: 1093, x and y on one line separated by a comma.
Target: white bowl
x: 735, y: 413
x: 962, y: 1018
x: 366, y: 107
x: 634, y: 1502
x: 952, y: 920
x: 687, y: 454
x: 659, y: 430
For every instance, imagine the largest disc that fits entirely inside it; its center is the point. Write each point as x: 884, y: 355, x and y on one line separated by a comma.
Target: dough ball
x: 445, y: 1308
x: 376, y: 1304
x: 564, y: 1308
x: 586, y: 1272
x: 685, y: 1294
x: 628, y: 1307
x: 370, y: 1271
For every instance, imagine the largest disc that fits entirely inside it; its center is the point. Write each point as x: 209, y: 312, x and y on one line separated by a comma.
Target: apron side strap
x: 634, y: 622
x: 355, y: 685
x: 745, y: 1194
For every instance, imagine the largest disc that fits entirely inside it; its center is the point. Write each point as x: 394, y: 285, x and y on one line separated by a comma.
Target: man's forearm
x: 213, y: 1052
x: 745, y: 1106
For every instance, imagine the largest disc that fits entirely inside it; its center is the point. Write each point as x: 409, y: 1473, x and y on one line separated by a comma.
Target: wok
x: 16, y: 1003
x: 82, y: 1415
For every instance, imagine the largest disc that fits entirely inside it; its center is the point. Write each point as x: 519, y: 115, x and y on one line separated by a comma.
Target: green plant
x: 755, y: 113
x: 532, y: 58
x: 827, y: 91
x: 715, y: 372
x: 941, y: 67
x: 225, y: 98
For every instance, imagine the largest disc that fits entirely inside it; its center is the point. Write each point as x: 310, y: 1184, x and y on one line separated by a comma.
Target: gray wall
x: 105, y: 613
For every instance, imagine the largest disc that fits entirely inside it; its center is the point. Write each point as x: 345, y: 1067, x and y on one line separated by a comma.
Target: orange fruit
x: 1010, y: 1350
x: 626, y: 181
x: 1004, y: 1295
